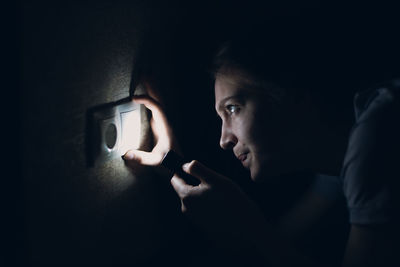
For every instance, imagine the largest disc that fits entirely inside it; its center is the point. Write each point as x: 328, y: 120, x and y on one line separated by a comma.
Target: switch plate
x: 112, y: 129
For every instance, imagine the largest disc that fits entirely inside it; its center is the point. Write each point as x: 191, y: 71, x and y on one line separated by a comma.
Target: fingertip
x: 188, y: 167
x: 185, y: 167
x: 173, y: 180
x: 138, y: 98
x: 176, y: 183
x: 146, y: 100
x: 129, y: 155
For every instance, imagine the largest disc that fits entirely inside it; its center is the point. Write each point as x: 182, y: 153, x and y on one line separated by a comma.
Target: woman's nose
x: 228, y: 140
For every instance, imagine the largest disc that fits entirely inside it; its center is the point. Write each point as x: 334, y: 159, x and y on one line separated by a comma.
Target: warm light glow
x: 130, y: 131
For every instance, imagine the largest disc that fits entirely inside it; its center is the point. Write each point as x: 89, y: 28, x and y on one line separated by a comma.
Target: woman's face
x: 258, y: 130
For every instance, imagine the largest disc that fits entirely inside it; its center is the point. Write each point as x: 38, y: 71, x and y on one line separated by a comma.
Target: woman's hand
x: 163, y: 135
x: 219, y: 207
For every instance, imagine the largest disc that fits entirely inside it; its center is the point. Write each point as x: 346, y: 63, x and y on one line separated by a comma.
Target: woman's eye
x: 232, y: 109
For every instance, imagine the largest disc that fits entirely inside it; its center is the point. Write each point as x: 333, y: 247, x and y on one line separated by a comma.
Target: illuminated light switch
x: 130, y: 138
x: 112, y: 130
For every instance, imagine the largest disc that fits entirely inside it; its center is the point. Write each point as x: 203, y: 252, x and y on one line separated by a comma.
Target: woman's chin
x: 265, y: 174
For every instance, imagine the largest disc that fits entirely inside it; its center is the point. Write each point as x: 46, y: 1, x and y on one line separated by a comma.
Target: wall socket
x: 112, y: 129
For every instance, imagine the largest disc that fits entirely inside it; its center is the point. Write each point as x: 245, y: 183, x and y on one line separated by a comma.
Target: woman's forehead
x: 235, y: 83
x: 235, y: 76
x: 225, y: 87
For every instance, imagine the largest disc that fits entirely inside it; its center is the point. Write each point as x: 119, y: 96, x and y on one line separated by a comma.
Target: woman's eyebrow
x: 223, y: 101
x: 238, y: 97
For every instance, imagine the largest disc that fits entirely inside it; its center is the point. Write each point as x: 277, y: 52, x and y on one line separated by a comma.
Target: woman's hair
x: 284, y: 56
x: 287, y: 61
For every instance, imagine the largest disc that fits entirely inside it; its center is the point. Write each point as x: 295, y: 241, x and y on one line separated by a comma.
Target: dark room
x: 203, y: 133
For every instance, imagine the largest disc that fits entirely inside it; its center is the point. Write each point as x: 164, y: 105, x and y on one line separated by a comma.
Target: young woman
x: 282, y: 111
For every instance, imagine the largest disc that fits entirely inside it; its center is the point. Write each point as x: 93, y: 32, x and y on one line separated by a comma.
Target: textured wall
x: 76, y: 56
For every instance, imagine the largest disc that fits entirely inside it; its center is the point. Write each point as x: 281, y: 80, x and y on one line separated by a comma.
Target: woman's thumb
x: 142, y: 157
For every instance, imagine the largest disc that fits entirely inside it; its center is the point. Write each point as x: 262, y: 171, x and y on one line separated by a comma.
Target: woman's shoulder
x: 377, y: 99
x: 370, y: 167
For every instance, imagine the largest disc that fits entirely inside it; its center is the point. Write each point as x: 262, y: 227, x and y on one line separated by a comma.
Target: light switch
x: 112, y: 129
x: 130, y: 136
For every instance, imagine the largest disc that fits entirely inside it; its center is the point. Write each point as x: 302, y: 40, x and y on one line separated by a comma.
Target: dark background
x: 70, y: 57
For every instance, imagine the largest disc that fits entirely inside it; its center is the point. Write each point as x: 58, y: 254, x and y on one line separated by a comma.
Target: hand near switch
x: 163, y: 134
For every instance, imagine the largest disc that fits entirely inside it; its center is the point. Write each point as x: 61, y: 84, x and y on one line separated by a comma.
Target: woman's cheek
x: 243, y: 129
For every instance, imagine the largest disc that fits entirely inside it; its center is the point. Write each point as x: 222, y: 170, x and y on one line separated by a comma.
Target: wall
x: 76, y: 56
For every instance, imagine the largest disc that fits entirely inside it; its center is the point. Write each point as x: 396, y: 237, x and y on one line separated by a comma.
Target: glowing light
x: 130, y: 130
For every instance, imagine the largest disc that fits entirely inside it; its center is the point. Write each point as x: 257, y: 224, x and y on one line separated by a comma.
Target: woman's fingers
x: 152, y: 104
x: 143, y: 158
x: 180, y: 186
x: 146, y: 100
x: 201, y: 172
x: 159, y: 122
x: 161, y: 130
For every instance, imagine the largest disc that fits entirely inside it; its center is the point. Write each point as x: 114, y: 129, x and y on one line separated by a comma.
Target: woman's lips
x: 243, y: 158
